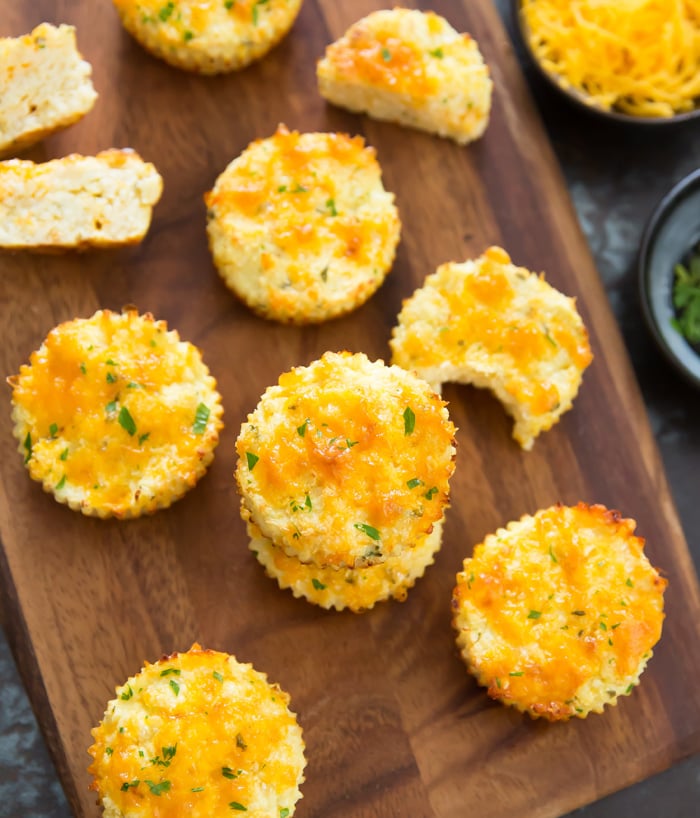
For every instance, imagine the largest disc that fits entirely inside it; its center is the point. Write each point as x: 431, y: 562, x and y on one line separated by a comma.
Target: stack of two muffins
x: 343, y: 471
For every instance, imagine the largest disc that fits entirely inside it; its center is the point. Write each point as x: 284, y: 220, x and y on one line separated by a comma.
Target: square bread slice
x: 46, y: 86
x: 412, y: 68
x: 77, y: 201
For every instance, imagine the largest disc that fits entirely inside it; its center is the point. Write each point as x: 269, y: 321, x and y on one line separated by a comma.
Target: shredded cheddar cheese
x: 641, y: 57
x: 558, y: 612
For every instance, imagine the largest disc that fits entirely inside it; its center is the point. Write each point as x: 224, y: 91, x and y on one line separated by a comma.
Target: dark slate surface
x: 615, y: 176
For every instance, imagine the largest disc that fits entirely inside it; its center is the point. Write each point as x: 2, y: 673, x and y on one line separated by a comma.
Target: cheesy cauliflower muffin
x: 557, y: 613
x: 208, y: 36
x: 489, y: 323
x: 413, y: 68
x: 301, y: 227
x: 77, y: 201
x: 355, y: 588
x: 115, y: 415
x: 346, y: 462
x: 198, y: 734
x: 46, y: 85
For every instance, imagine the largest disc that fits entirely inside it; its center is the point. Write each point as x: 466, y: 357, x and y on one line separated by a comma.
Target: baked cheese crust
x: 300, y: 226
x: 346, y: 462
x: 357, y: 589
x: 115, y: 415
x: 557, y: 613
x: 208, y: 36
x: 77, y: 201
x: 489, y: 323
x: 198, y: 734
x: 46, y: 86
x: 413, y: 68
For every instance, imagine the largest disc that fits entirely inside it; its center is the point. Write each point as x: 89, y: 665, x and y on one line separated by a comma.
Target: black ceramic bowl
x: 672, y: 231
x: 580, y: 99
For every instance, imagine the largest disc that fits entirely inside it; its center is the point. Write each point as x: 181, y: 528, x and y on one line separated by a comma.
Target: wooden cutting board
x: 393, y: 724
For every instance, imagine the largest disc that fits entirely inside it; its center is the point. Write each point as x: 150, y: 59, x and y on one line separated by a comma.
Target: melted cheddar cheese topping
x: 346, y: 462
x: 115, y: 414
x: 301, y: 224
x: 198, y: 734
x: 558, y: 613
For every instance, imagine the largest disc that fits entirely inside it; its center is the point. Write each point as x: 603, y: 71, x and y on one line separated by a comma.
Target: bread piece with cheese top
x: 346, y: 462
x: 557, y: 613
x: 46, y: 86
x: 208, y: 36
x: 77, y: 202
x: 413, y: 68
x: 198, y: 734
x: 489, y: 323
x: 115, y: 415
x: 300, y: 226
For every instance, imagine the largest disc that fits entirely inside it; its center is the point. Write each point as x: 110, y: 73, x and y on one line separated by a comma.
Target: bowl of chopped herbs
x: 669, y: 274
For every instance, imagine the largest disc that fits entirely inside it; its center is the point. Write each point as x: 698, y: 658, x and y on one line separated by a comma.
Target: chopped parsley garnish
x: 252, y: 460
x: 227, y: 772
x: 134, y: 385
x: 552, y: 555
x: 53, y: 430
x: 516, y: 673
x: 240, y: 742
x: 330, y: 205
x: 307, y: 502
x: 126, y: 421
x: 83, y: 369
x: 414, y: 482
x: 228, y: 4
x: 578, y: 613
x: 629, y: 583
x: 174, y: 671
x: 319, y: 586
x: 239, y: 807
x: 175, y: 686
x: 64, y: 454
x: 430, y: 493
x: 197, y: 789
x: 369, y: 530
x: 159, y: 788
x: 187, y: 36
x: 630, y: 688
x: 109, y: 750
x: 127, y: 784
x: 439, y: 53
x: 301, y: 430
x: 28, y: 447
x: 324, y: 274
x: 409, y: 421
x: 144, y: 437
x: 282, y: 189
x: 603, y: 626
x: 386, y: 54
x: 201, y: 416
x: 545, y: 330
x: 534, y: 615
x: 61, y: 483
x: 110, y: 362
x: 284, y: 812
x: 686, y: 298
x: 300, y: 189
x: 169, y: 753
x: 127, y: 694
x: 111, y: 378
x: 351, y: 443
x: 111, y: 407
x: 217, y: 676
x: 166, y: 11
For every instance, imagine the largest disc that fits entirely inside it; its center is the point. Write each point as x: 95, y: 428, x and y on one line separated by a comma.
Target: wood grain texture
x: 393, y: 724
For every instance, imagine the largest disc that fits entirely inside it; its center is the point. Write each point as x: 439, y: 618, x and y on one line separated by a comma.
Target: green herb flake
x: 351, y: 443
x: 111, y: 407
x: 130, y: 784
x: 201, y: 416
x: 83, y: 369
x: 369, y: 530
x: 217, y: 676
x: 126, y: 421
x: 603, y: 626
x: 516, y: 673
x: 578, y: 613
x: 227, y: 772
x: 630, y: 688
x: 166, y: 11
x: 307, y: 503
x: 228, y: 5
x: 386, y: 54
x: 127, y: 694
x: 143, y: 438
x: 110, y: 362
x: 252, y: 460
x: 197, y: 789
x: 64, y: 454
x: 552, y: 555
x: 168, y: 753
x: 235, y: 805
x: 159, y: 788
x: 629, y: 583
x: 282, y: 189
x: 409, y: 421
x: 686, y: 298
x: 175, y: 686
x: 319, y: 586
x: 300, y: 189
x: 301, y: 430
x: 548, y: 336
x: 187, y: 36
x: 430, y: 493
x: 171, y: 671
x: 498, y: 683
x: 134, y: 385
x: 53, y: 430
x: 437, y: 52
x: 109, y: 750
x: 330, y: 206
x: 284, y: 812
x: 28, y: 447
x: 111, y: 378
x: 240, y: 742
x: 61, y: 483
x: 324, y: 274
x: 534, y: 615
x: 414, y: 482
